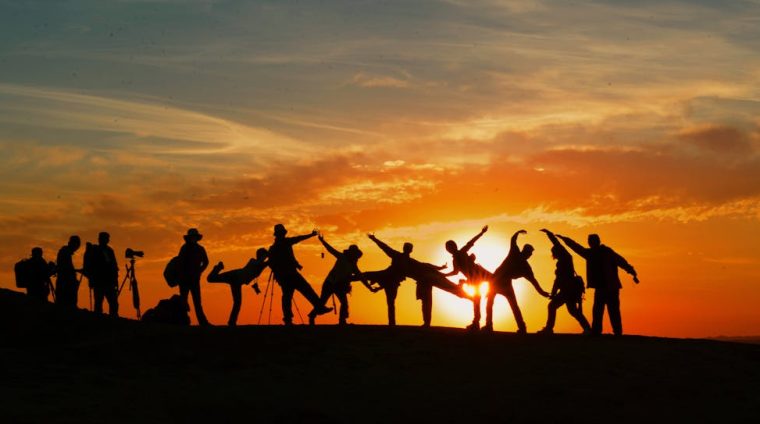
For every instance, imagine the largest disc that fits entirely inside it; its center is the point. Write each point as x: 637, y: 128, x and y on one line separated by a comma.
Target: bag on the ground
x: 23, y: 273
x: 173, y: 310
x: 171, y: 272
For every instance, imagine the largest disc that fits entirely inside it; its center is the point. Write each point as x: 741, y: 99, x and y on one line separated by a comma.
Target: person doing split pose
x: 338, y: 280
x: 475, y: 274
x: 285, y: 269
x: 237, y: 278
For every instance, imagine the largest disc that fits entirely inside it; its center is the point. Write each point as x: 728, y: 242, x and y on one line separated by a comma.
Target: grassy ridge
x: 60, y: 367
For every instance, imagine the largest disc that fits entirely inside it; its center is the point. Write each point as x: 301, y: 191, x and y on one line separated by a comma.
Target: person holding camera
x: 67, y: 283
x: 102, y: 270
x: 193, y: 260
x: 236, y: 278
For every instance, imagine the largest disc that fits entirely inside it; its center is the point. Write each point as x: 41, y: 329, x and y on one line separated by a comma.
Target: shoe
x: 321, y: 310
x: 312, y: 320
x: 475, y: 326
x: 587, y: 332
x: 545, y: 330
x: 522, y: 331
x: 218, y: 267
x: 488, y: 328
x: 425, y: 325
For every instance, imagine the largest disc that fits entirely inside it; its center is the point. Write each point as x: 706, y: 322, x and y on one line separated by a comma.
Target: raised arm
x: 471, y: 243
x: 329, y: 248
x: 513, y: 241
x: 572, y: 244
x: 298, y: 239
x: 552, y: 237
x: 384, y: 247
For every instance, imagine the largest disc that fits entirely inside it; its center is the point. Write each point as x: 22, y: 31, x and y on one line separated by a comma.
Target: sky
x: 416, y: 121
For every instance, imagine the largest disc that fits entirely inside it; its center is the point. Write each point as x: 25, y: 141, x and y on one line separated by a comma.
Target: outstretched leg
x: 551, y: 317
x: 575, y: 312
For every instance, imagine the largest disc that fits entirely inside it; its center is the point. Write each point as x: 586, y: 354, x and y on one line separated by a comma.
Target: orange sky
x: 419, y: 122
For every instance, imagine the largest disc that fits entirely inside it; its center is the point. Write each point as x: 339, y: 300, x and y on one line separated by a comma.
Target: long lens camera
x: 131, y: 254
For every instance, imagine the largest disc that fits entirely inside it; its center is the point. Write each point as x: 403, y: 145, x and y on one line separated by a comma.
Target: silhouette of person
x: 602, y: 265
x: 338, y: 280
x: 389, y: 279
x: 237, y: 278
x: 192, y: 261
x: 67, y: 283
x: 37, y: 275
x: 475, y: 274
x: 103, y: 273
x: 514, y: 266
x: 567, y: 288
x: 424, y: 274
x: 285, y: 269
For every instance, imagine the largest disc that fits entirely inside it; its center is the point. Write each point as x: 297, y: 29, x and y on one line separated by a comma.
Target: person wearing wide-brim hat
x: 338, y: 280
x: 193, y: 260
x: 285, y: 267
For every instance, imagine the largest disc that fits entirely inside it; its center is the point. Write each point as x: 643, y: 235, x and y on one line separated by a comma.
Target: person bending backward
x: 285, y: 269
x: 67, y: 284
x: 602, y: 265
x: 338, y: 280
x: 515, y: 266
x: 424, y: 274
x: 193, y: 260
x: 103, y: 273
x: 237, y: 278
x: 567, y: 289
x: 475, y: 274
x: 389, y: 279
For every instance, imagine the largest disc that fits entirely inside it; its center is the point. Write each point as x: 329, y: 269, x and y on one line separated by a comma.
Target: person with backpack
x: 102, y: 271
x: 237, y: 278
x: 33, y: 274
x: 338, y: 280
x: 285, y: 267
x: 67, y: 283
x: 567, y: 290
x: 192, y: 261
x: 602, y: 265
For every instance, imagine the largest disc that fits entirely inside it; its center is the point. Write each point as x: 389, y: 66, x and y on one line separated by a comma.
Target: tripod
x: 270, y: 293
x: 130, y: 276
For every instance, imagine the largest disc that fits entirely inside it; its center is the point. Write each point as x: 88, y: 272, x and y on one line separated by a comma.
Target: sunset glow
x: 416, y: 121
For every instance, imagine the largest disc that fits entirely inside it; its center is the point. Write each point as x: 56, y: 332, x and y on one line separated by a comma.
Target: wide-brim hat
x: 279, y: 230
x: 193, y: 234
x: 354, y: 251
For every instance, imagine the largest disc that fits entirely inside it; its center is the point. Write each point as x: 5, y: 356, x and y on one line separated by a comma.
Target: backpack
x: 21, y: 269
x: 171, y: 272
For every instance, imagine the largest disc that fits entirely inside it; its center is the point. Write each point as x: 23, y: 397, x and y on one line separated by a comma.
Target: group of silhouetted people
x: 186, y: 269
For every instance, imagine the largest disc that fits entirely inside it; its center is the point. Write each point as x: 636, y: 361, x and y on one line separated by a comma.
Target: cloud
x: 378, y: 81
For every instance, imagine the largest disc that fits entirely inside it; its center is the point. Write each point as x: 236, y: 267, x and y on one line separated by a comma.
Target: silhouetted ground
x: 76, y: 368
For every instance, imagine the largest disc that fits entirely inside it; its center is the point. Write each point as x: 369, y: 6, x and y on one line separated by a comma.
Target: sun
x: 489, y: 252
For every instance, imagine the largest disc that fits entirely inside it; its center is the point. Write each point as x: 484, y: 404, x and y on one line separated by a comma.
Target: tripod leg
x: 264, y: 302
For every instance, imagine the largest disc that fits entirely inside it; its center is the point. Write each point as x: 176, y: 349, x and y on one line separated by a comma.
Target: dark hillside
x: 60, y: 367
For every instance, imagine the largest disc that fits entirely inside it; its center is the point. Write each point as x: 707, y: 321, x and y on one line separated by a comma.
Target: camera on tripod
x: 131, y: 254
